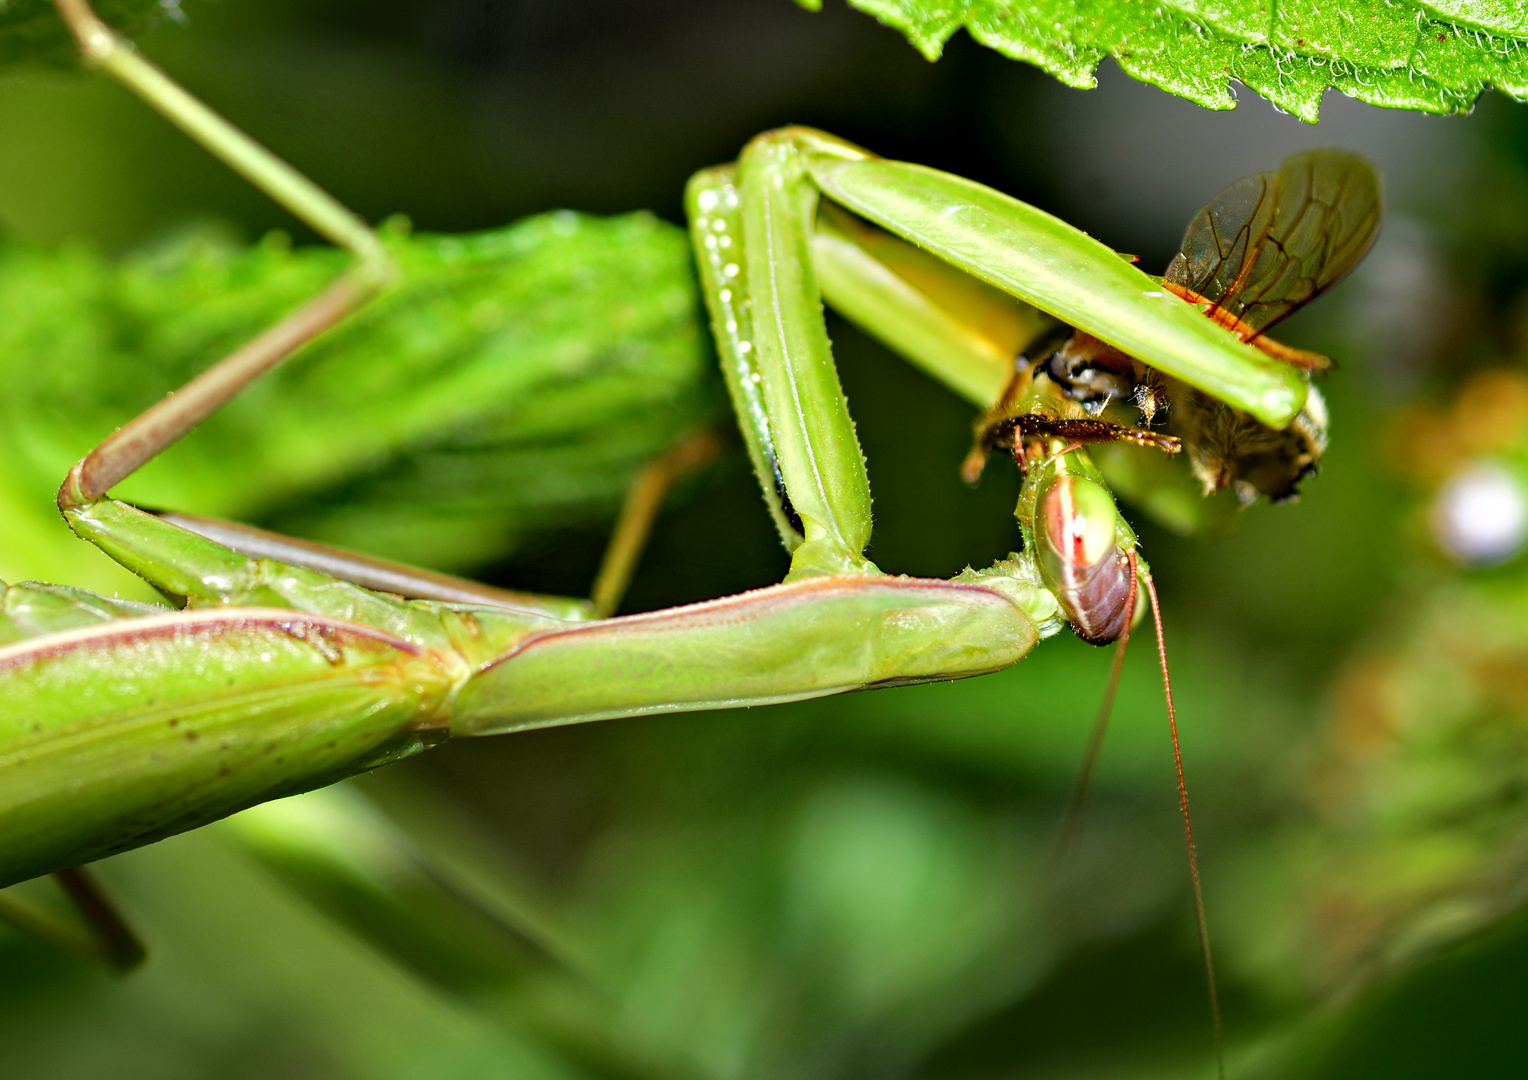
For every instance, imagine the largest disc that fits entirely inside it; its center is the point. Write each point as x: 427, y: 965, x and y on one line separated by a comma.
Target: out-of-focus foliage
x: 513, y: 382
x: 1437, y: 58
x: 1414, y: 833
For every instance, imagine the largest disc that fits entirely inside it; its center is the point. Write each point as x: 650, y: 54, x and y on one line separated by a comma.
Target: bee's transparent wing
x: 1271, y: 241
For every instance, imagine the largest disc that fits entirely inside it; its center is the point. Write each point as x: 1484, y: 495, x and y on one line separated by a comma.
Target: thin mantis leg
x: 142, y: 438
x: 628, y: 538
x: 635, y: 523
x: 120, y: 947
x: 148, y: 434
x: 103, y: 48
x: 105, y: 939
x: 128, y: 449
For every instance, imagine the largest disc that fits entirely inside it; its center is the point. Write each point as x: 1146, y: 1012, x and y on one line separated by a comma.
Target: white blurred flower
x: 1481, y: 514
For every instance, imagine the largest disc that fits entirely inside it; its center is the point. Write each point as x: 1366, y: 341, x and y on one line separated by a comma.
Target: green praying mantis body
x: 284, y: 671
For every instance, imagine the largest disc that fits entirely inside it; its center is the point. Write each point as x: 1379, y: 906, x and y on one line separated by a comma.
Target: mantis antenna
x: 1188, y: 832
x: 1079, y: 800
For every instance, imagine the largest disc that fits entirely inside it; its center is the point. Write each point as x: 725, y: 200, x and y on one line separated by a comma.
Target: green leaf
x: 514, y: 382
x: 1432, y: 57
x: 1508, y: 17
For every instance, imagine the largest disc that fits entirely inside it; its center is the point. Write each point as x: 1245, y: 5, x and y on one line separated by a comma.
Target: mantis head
x: 1083, y: 548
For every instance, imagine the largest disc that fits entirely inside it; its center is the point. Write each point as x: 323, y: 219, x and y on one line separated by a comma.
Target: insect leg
x: 635, y: 522
x: 119, y: 946
x: 142, y: 438
x: 1008, y: 434
x: 105, y: 937
x: 753, y: 233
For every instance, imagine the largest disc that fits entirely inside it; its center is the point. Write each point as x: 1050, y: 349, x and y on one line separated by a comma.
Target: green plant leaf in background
x: 1433, y: 57
x: 513, y: 383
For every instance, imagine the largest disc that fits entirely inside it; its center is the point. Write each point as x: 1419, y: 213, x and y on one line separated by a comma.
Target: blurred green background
x: 860, y: 886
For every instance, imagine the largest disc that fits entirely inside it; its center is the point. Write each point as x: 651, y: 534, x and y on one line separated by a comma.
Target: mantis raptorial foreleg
x: 471, y: 670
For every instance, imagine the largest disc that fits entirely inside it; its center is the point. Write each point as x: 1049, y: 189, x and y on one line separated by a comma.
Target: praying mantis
x: 128, y: 723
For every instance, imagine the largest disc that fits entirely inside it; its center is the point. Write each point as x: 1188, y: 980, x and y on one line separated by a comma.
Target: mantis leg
x: 635, y: 523
x: 627, y: 540
x: 966, y: 334
x: 957, y: 328
x: 105, y: 939
x: 767, y: 256
x: 1045, y: 262
x: 753, y: 235
x: 156, y: 428
x: 141, y: 439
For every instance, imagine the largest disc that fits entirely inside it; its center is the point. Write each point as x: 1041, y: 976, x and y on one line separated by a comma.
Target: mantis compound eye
x: 1080, y: 558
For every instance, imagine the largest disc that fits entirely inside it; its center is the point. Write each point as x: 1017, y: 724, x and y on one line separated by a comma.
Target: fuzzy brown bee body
x: 1226, y: 447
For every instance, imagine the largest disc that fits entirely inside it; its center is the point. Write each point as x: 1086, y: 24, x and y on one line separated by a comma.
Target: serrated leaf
x: 1019, y: 31
x: 1433, y: 57
x: 1164, y: 48
x: 1506, y: 17
x: 1445, y: 51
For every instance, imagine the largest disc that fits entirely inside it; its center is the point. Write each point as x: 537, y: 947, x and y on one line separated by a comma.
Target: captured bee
x: 1264, y: 247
